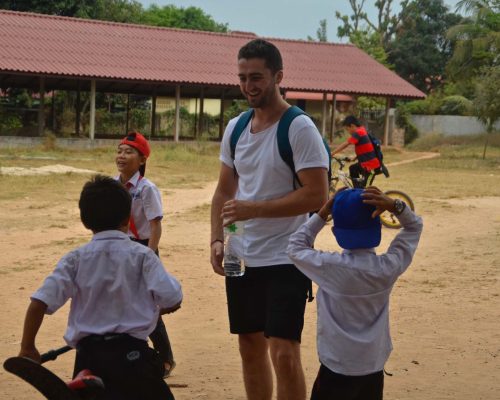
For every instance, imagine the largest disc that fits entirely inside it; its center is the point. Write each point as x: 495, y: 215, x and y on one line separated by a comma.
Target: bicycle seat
x: 86, y: 381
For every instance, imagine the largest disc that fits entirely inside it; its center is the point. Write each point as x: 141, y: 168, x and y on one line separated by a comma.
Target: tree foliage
x: 477, y: 40
x: 420, y: 49
x: 130, y: 11
x: 186, y: 18
x: 385, y: 24
x: 321, y: 32
x: 487, y: 99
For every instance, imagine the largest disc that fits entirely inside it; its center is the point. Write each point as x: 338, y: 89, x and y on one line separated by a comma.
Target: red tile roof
x: 44, y: 44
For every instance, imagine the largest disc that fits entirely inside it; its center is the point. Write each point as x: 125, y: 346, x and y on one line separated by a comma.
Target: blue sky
x: 291, y: 19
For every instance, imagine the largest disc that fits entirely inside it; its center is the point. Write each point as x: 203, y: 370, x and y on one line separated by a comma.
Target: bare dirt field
x: 445, y: 311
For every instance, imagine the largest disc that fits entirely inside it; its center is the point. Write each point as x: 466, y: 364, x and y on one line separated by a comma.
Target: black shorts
x: 129, y: 368
x: 332, y: 386
x: 268, y: 299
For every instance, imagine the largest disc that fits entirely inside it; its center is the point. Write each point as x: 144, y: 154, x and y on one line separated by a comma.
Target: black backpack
x: 377, y: 147
x: 284, y: 147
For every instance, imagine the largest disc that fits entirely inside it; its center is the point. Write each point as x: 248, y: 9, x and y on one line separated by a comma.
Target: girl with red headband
x: 145, y: 217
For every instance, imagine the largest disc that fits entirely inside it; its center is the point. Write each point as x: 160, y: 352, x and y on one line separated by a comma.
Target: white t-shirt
x: 115, y: 285
x: 263, y: 175
x: 146, y: 204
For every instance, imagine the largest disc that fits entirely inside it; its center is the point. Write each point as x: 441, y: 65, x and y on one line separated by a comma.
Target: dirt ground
x: 445, y: 310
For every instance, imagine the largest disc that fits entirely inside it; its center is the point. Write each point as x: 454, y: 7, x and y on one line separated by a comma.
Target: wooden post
x: 323, y: 115
x: 334, y: 109
x: 92, y: 110
x: 200, y: 118
x: 386, y: 121
x: 153, y: 117
x: 221, y: 119
x: 127, y: 114
x: 78, y: 110
x: 41, y: 111
x: 177, y: 122
x: 53, y: 111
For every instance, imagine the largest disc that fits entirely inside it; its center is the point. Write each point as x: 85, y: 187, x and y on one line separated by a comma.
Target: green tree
x: 321, y: 33
x: 67, y: 8
x: 477, y: 40
x: 420, y: 49
x: 370, y: 43
x: 384, y: 25
x: 487, y: 99
x: 178, y: 17
x: 129, y: 11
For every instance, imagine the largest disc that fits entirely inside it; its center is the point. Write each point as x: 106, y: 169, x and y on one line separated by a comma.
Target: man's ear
x: 278, y: 77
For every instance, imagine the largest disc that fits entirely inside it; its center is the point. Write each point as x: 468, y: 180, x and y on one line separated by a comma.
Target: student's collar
x: 135, y: 179
x: 111, y: 234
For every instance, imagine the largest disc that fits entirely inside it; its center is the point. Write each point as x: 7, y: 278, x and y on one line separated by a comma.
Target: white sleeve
x: 59, y: 286
x: 225, y: 147
x: 310, y: 262
x: 307, y: 145
x: 401, y: 250
x: 165, y: 289
x: 151, y: 201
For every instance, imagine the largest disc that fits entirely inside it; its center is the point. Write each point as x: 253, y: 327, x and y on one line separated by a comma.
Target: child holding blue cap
x: 354, y: 288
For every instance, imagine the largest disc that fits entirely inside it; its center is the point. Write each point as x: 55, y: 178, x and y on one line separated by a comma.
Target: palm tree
x: 477, y: 38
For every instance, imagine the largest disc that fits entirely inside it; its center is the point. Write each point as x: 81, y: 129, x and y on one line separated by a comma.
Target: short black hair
x: 104, y: 204
x: 351, y: 120
x: 259, y: 48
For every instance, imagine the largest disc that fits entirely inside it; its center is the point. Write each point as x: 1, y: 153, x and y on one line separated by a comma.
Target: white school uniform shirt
x: 146, y: 204
x: 353, y: 335
x: 263, y: 175
x: 115, y: 286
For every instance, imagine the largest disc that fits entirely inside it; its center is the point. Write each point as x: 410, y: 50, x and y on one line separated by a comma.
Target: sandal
x: 168, y: 371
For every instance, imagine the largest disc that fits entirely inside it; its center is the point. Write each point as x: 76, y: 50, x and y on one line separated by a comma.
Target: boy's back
x: 353, y: 294
x: 116, y: 286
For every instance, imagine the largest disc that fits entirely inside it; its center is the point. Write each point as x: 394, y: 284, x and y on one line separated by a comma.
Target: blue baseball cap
x: 354, y: 227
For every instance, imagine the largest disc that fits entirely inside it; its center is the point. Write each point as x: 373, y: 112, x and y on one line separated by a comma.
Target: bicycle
x: 85, y: 386
x: 387, y: 218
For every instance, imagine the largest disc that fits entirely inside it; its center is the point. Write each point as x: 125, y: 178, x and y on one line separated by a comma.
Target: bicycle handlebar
x: 53, y: 354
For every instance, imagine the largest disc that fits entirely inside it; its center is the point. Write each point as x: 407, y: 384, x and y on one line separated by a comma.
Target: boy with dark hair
x: 117, y: 289
x: 354, y: 288
x: 365, y: 152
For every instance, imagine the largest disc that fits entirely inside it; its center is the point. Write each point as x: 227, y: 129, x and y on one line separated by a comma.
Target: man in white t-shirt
x: 266, y: 305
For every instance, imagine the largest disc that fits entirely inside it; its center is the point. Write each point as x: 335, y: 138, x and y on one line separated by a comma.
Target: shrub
x: 456, y: 105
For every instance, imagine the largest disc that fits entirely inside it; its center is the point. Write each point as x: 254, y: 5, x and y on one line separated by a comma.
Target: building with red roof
x: 45, y: 52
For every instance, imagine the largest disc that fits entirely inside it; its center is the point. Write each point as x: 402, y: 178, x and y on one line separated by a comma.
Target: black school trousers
x: 332, y: 386
x: 129, y: 368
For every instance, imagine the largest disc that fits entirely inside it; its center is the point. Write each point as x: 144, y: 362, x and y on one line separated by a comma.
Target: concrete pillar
x: 386, y: 121
x: 92, y: 110
x: 41, y: 111
x: 323, y: 115
x: 177, y: 122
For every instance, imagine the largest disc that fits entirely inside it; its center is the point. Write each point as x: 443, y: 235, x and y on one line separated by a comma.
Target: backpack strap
x: 284, y: 147
x: 240, y: 126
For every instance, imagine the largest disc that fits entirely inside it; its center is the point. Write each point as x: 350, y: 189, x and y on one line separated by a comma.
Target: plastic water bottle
x: 233, y: 264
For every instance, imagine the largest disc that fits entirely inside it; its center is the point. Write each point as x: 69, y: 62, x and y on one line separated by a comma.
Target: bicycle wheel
x: 387, y: 218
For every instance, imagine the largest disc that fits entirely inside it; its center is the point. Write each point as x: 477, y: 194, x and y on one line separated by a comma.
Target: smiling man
x: 266, y: 305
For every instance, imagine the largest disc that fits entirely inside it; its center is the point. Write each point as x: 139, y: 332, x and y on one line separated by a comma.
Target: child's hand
x: 372, y: 195
x: 324, y: 212
x: 31, y: 353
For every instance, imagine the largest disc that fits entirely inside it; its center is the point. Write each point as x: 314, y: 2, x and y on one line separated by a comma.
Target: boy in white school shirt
x: 117, y: 289
x: 354, y: 288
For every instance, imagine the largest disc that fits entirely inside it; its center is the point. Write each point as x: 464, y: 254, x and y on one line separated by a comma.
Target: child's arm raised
x: 32, y: 322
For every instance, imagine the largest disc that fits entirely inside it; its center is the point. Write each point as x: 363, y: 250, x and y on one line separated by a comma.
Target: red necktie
x: 131, y: 225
